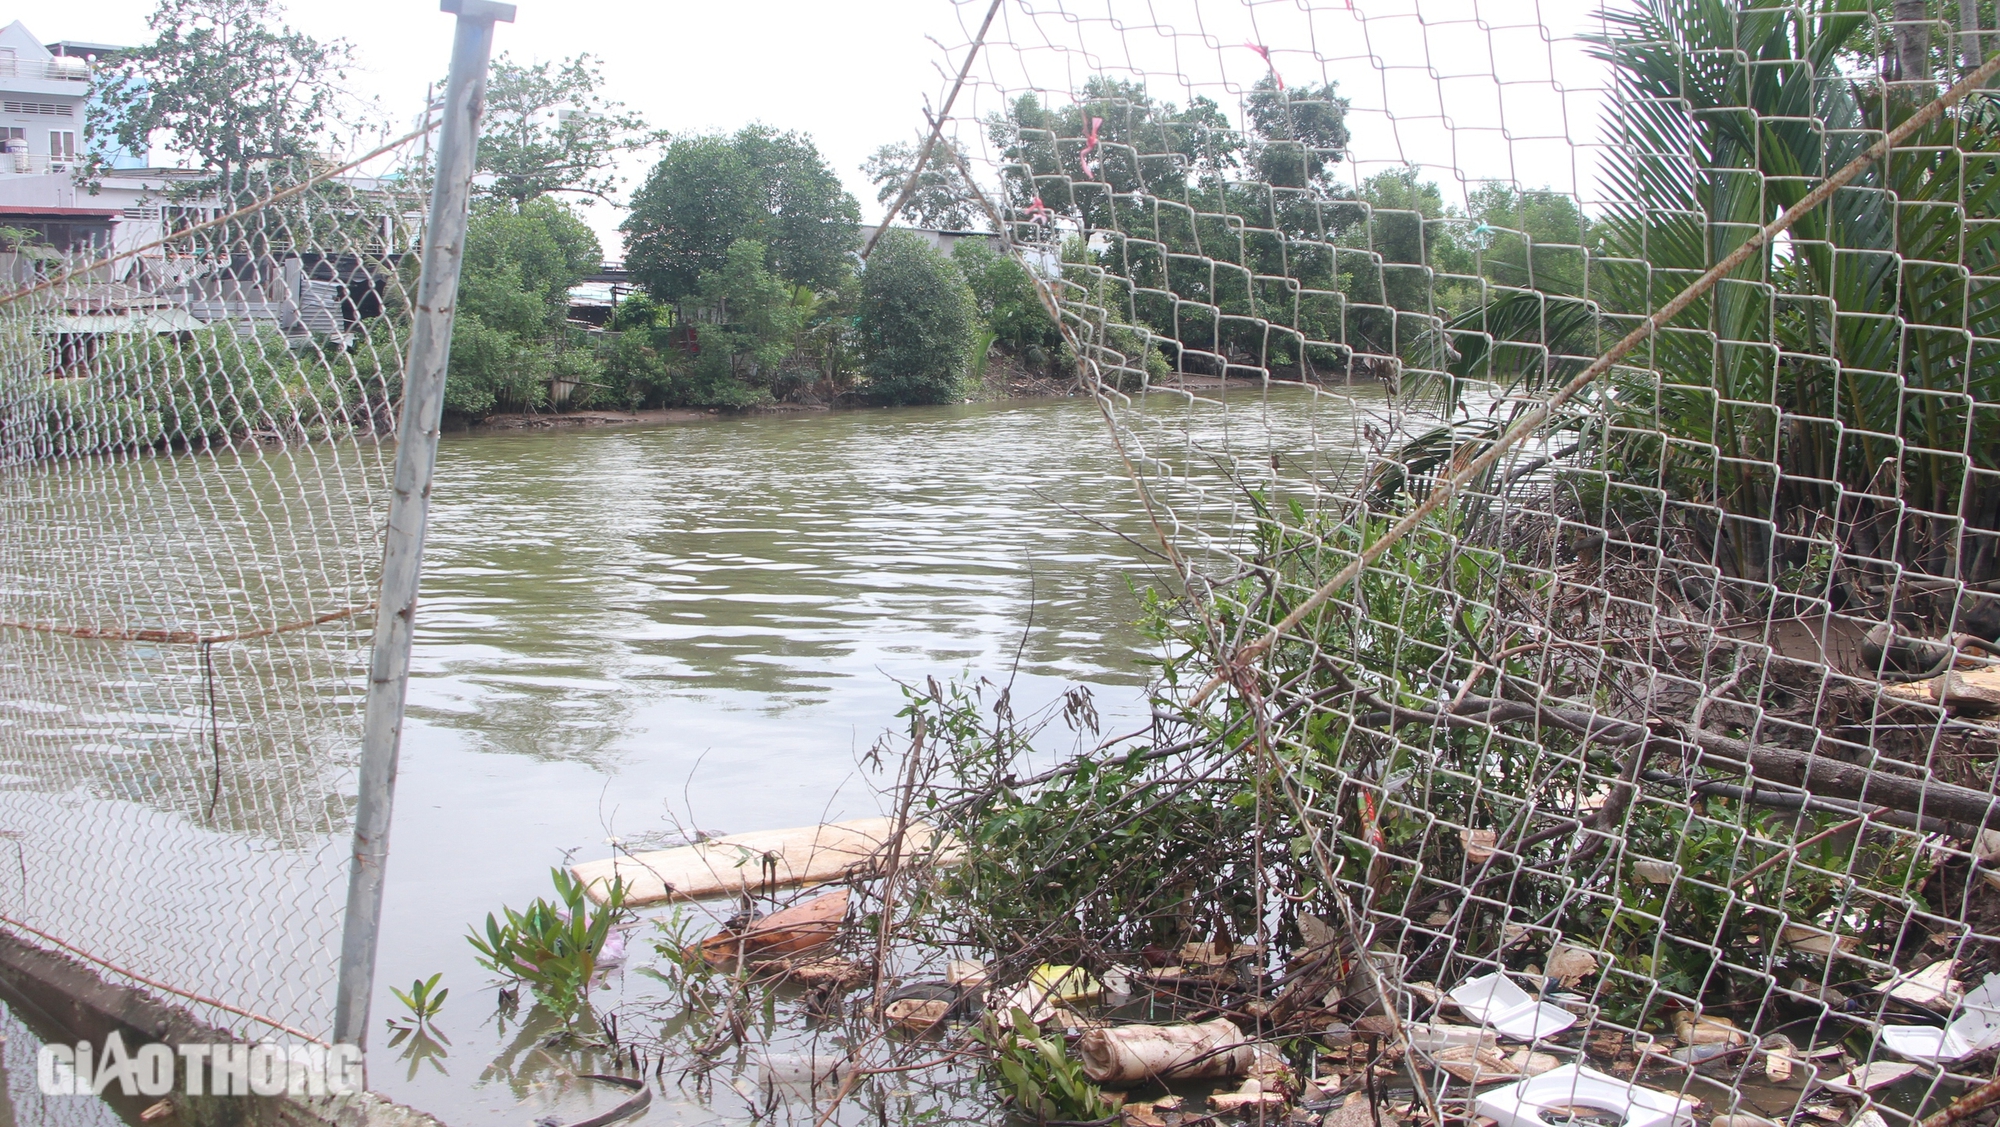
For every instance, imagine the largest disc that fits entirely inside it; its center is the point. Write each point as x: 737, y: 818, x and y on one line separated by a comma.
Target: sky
x: 1470, y: 89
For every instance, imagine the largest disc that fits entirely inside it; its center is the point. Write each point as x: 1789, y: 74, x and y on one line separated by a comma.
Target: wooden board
x: 798, y: 928
x: 752, y: 862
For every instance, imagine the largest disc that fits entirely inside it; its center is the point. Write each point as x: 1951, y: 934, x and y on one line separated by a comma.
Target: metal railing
x: 58, y: 69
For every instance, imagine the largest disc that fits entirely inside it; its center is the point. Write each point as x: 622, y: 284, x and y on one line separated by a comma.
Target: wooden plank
x: 752, y: 862
x: 800, y: 927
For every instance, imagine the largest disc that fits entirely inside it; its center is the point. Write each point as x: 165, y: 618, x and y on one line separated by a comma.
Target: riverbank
x: 1024, y: 390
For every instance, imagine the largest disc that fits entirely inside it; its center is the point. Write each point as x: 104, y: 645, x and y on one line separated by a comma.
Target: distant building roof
x: 76, y: 47
x: 15, y: 211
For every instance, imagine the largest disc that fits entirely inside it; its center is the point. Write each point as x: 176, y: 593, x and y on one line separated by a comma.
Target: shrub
x: 207, y: 388
x: 1007, y: 297
x: 918, y: 321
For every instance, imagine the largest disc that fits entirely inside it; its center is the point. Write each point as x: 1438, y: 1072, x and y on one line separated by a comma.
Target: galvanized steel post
x: 409, y: 503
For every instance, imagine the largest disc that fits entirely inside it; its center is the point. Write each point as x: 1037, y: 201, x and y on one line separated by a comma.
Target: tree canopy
x: 228, y: 83
x: 943, y: 199
x: 759, y: 184
x: 549, y: 130
x: 510, y: 335
x: 1141, y: 143
x: 1302, y: 131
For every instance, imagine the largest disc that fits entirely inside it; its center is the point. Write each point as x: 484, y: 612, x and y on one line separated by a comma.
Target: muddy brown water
x: 636, y: 632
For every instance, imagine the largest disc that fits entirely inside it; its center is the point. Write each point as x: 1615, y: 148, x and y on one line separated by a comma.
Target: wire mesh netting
x: 193, y: 476
x: 1661, y: 689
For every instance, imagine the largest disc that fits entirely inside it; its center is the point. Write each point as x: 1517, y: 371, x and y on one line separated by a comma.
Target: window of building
x: 62, y: 144
x: 13, y: 133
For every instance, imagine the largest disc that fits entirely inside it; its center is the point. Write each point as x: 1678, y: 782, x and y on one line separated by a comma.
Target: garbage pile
x: 1215, y: 1032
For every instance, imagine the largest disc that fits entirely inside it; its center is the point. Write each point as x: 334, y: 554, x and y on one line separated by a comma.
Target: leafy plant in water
x: 1094, y: 858
x: 422, y: 1003
x: 420, y: 1041
x: 680, y: 962
x: 1039, y: 1078
x: 553, y: 945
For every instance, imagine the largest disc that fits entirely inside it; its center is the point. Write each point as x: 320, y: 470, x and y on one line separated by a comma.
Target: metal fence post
x: 409, y: 504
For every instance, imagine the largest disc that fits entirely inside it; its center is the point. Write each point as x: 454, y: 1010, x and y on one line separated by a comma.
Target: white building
x: 303, y: 292
x: 41, y: 104
x: 42, y: 116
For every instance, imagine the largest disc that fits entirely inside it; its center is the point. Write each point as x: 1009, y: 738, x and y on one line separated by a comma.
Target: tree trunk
x: 1968, y: 26
x: 1913, y: 40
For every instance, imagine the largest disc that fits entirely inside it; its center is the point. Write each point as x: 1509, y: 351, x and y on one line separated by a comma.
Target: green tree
x: 943, y: 199
x: 757, y: 326
x: 510, y: 335
x: 1533, y: 239
x: 759, y: 184
x: 1142, y: 144
x: 520, y: 265
x: 549, y: 130
x: 226, y: 82
x: 918, y: 320
x: 734, y: 357
x: 1303, y: 129
x: 1007, y: 297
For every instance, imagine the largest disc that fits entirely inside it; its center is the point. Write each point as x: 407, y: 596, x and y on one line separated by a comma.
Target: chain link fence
x: 193, y: 480
x: 1587, y: 612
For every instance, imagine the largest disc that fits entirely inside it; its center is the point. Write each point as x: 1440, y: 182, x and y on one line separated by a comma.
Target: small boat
x: 789, y: 931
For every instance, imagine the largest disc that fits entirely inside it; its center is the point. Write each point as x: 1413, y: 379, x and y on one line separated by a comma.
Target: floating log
x: 758, y: 862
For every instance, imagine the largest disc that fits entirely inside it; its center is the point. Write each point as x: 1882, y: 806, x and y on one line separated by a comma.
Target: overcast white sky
x: 1471, y: 89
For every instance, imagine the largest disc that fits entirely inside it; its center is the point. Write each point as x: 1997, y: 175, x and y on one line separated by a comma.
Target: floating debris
x: 799, y: 928
x: 1570, y: 965
x: 1128, y: 1055
x: 758, y: 862
x: 820, y: 970
x: 919, y: 1014
x: 1066, y: 984
x: 1433, y: 1037
x: 965, y: 972
x: 1702, y: 1029
x: 1479, y: 845
x: 1253, y: 1096
x: 1975, y: 1030
x: 1215, y: 954
x: 1868, y: 1077
x: 1813, y: 941
x: 1932, y: 987
x: 1573, y: 1086
x: 1494, y: 1000
x: 1482, y: 1064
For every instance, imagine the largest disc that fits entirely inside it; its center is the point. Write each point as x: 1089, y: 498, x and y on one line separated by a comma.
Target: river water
x: 629, y: 633
x: 635, y: 633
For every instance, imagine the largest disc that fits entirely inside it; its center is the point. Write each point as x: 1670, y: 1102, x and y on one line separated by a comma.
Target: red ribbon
x: 1265, y: 53
x: 1089, y: 144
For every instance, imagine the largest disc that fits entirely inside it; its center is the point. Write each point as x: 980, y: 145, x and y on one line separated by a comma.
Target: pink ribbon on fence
x: 1264, y: 53
x: 1089, y: 145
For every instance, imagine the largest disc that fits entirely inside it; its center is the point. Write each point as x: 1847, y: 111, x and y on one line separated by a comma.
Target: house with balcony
x: 41, y: 103
x: 45, y: 90
x: 47, y: 218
